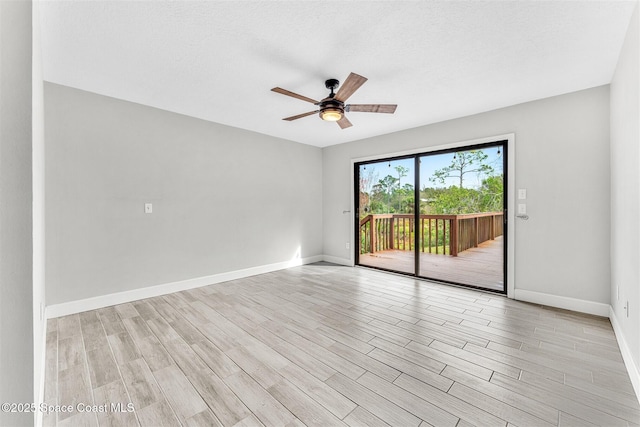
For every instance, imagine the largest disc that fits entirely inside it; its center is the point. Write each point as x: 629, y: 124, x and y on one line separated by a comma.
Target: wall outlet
x: 347, y: 245
x: 522, y: 209
x: 148, y: 208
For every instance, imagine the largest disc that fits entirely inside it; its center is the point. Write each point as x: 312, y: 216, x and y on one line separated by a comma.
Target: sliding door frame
x: 509, y: 193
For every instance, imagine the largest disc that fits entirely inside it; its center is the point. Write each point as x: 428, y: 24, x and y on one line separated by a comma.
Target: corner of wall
x: 632, y: 368
x: 38, y: 187
x: 625, y: 200
x: 337, y: 260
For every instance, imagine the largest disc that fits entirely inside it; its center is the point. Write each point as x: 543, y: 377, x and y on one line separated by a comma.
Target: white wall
x: 16, y: 283
x: 224, y: 199
x: 625, y: 200
x: 562, y: 159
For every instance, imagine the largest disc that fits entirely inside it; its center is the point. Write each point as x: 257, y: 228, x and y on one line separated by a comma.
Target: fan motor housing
x: 331, y: 105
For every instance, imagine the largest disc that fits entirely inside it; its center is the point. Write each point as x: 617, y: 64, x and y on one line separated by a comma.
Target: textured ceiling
x: 218, y: 60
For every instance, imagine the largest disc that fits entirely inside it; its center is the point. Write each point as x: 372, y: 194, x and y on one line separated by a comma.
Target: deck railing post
x: 453, y: 237
x: 476, y: 230
x: 411, y: 231
x: 363, y: 228
x: 373, y: 233
x: 492, y: 228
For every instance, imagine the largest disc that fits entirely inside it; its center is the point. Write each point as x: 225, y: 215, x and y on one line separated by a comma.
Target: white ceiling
x: 218, y: 60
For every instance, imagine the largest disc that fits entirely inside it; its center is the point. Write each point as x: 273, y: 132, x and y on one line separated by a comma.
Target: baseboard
x: 73, y: 307
x: 336, y: 260
x: 632, y: 368
x: 574, y: 304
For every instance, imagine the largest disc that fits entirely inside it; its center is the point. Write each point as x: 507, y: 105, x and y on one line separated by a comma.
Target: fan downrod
x: 332, y: 84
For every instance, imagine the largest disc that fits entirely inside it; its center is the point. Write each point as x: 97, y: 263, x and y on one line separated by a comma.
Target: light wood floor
x: 481, y: 266
x: 327, y: 345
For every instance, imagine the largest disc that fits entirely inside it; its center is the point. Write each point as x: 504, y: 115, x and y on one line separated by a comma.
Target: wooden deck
x: 481, y: 266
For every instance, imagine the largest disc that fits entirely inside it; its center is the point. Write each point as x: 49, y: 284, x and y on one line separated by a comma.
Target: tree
x: 385, y: 185
x: 402, y: 172
x: 406, y: 197
x: 463, y: 163
x: 367, y: 179
x: 455, y: 200
x: 491, y: 193
x: 385, y: 188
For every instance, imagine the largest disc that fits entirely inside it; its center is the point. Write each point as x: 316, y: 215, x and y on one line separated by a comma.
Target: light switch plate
x: 522, y: 193
x: 148, y: 208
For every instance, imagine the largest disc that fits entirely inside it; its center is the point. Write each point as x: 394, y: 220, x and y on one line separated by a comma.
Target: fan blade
x: 344, y: 123
x: 299, y: 116
x: 294, y: 95
x: 372, y: 108
x: 353, y: 82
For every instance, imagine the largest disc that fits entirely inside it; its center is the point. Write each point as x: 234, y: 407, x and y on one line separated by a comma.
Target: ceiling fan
x: 333, y: 107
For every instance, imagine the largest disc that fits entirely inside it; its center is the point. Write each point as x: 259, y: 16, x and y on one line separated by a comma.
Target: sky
x: 431, y: 163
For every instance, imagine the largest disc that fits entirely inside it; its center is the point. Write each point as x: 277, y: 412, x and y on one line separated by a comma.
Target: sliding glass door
x: 386, y: 204
x: 437, y: 215
x: 462, y: 217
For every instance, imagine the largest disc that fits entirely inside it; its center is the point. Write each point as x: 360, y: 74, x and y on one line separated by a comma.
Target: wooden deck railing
x: 438, y: 234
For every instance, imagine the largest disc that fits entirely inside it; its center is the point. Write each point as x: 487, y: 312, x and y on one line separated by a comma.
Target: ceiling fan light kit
x: 331, y: 114
x: 332, y: 108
